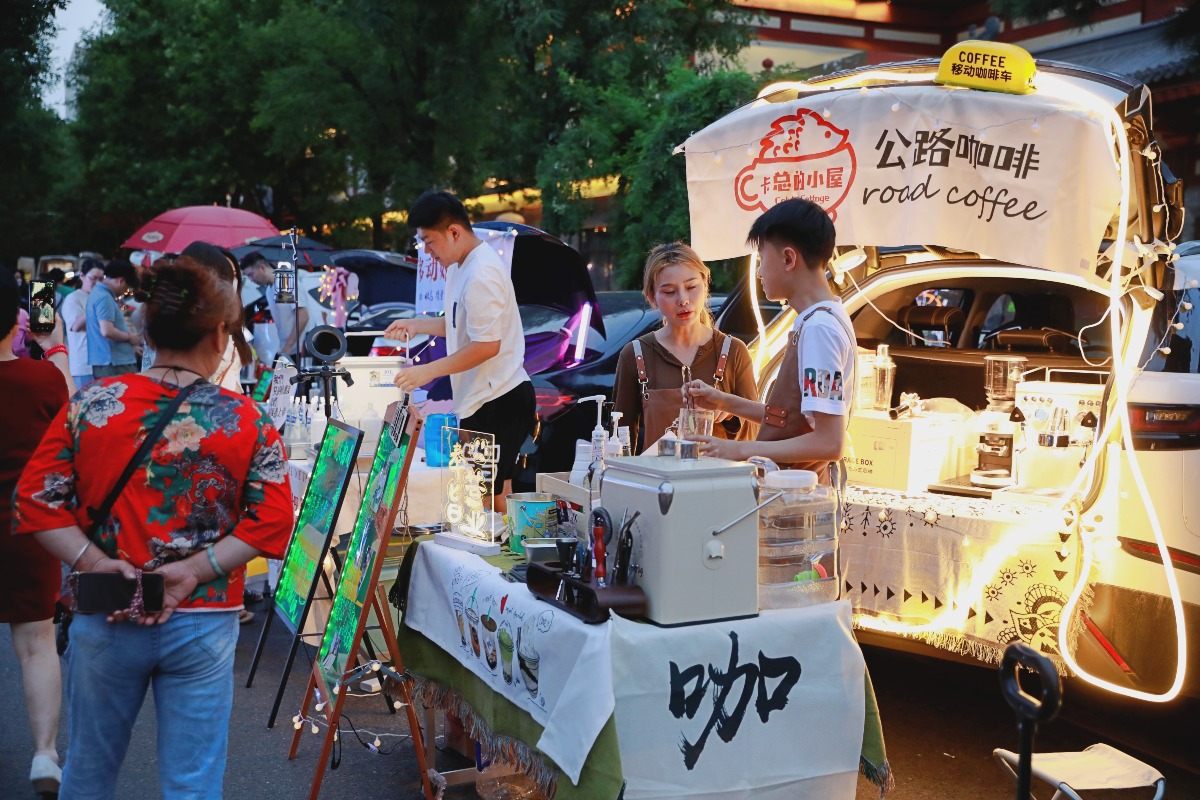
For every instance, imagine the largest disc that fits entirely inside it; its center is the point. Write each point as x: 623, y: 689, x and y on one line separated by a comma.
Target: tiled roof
x: 1140, y: 53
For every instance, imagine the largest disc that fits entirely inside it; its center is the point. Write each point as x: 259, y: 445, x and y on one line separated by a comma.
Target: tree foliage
x: 31, y: 138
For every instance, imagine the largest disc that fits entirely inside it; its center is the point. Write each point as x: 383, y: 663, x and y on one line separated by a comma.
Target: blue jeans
x: 189, y: 661
x: 82, y: 380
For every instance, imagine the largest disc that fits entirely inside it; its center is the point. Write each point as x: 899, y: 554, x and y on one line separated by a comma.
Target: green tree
x: 378, y: 90
x: 584, y: 76
x: 31, y: 137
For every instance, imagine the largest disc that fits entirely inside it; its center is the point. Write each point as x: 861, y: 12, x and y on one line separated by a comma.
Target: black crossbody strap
x: 101, y: 515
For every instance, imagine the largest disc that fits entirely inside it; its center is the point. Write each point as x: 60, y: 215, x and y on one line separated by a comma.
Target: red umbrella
x: 174, y: 230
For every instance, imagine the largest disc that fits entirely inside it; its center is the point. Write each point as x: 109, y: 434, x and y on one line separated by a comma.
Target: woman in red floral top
x: 212, y: 495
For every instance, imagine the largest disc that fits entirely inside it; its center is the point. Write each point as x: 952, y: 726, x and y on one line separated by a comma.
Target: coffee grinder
x: 997, y: 426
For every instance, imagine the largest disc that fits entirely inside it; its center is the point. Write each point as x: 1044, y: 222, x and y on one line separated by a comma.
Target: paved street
x: 941, y: 722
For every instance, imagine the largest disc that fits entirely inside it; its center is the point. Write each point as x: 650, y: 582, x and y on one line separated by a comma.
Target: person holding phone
x: 35, y: 391
x: 74, y: 316
x: 112, y: 348
x: 211, y: 495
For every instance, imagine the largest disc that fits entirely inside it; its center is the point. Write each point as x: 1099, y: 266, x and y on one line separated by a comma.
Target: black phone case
x: 106, y: 592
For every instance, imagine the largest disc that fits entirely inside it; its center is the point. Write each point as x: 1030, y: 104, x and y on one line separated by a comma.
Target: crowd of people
x: 140, y: 456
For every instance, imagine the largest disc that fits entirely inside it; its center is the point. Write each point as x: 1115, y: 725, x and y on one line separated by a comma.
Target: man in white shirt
x: 485, y: 344
x: 74, y: 314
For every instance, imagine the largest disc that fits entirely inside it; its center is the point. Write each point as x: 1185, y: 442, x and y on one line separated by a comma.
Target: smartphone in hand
x: 41, y: 306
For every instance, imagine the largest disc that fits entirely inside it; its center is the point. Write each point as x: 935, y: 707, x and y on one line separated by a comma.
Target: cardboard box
x: 909, y: 453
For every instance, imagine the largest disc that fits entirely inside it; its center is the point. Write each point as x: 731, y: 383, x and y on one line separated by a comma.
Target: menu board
x: 372, y: 530
x: 314, y: 524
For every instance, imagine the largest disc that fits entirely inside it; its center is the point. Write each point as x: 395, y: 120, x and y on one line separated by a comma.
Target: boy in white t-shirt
x: 485, y: 344
x: 804, y: 418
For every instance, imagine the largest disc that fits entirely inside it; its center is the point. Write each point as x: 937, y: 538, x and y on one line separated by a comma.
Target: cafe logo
x: 803, y: 155
x: 153, y: 237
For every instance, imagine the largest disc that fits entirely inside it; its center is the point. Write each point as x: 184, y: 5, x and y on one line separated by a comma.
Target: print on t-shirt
x: 822, y: 383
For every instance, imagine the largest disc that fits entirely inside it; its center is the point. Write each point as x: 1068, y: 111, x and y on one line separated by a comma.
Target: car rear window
x: 1180, y: 308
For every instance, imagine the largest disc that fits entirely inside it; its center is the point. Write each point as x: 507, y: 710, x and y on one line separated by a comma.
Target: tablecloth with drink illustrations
x: 972, y: 575
x: 500, y: 715
x: 501, y: 632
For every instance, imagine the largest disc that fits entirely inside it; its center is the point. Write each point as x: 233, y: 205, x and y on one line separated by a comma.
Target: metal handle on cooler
x: 758, y: 507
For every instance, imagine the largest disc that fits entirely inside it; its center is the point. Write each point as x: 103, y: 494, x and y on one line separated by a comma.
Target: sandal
x: 245, y: 616
x: 46, y: 776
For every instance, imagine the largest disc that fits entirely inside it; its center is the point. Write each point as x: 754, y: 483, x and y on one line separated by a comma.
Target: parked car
x: 551, y: 447
x: 1057, y: 316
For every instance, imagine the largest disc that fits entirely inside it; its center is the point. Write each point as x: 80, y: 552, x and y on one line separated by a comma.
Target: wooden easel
x: 370, y: 540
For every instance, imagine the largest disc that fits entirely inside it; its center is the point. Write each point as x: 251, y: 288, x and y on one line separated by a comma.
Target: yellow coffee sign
x: 991, y: 66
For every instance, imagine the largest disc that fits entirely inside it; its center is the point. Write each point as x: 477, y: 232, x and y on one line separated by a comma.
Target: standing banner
x: 1029, y: 179
x: 281, y: 391
x: 303, y: 563
x: 766, y: 708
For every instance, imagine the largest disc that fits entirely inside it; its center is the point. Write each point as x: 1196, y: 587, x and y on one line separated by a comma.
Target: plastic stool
x: 1096, y: 767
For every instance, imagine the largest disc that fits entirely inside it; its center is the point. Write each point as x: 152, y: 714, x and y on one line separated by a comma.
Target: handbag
x: 100, y: 516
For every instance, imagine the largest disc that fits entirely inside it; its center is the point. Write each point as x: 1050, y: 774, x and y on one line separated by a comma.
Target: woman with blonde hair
x: 650, y: 369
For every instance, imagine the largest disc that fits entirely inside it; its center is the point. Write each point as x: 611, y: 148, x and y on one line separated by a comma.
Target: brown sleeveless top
x: 785, y: 396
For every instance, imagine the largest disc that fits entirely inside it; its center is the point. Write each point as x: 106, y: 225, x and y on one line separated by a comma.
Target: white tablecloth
x: 547, y: 662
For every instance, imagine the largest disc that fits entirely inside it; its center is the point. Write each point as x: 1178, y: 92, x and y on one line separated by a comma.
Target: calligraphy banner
x: 770, y: 707
x: 1029, y: 179
x: 547, y: 663
x: 979, y: 574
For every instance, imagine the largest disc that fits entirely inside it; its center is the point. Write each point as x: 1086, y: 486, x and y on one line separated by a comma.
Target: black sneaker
x: 251, y: 597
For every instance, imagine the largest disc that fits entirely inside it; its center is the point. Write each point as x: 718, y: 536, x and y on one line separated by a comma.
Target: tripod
x: 327, y: 373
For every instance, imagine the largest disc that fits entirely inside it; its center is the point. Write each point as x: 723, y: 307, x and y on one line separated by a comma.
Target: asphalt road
x: 941, y: 722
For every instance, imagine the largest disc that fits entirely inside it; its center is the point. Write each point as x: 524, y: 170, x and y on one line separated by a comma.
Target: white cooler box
x: 688, y: 574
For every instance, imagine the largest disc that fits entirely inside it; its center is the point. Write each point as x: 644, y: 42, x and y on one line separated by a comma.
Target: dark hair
x: 10, y: 302
x: 800, y: 223
x: 437, y: 210
x: 56, y: 275
x: 89, y: 264
x: 187, y: 301
x: 225, y: 264
x: 120, y: 268
x: 252, y: 258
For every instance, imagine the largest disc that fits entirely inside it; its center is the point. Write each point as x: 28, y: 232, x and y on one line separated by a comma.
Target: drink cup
x: 528, y: 659
x: 488, y: 626
x: 695, y: 422
x: 473, y: 618
x: 458, y: 615
x: 505, y: 640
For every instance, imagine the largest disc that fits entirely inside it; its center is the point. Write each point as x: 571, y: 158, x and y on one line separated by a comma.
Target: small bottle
x: 885, y: 377
x: 623, y: 437
x: 316, y: 428
x: 613, y: 447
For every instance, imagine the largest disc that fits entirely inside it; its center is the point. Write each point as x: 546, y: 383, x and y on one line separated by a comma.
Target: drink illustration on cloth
x: 528, y: 657
x: 473, y: 619
x: 488, y: 624
x: 458, y: 615
x: 506, y: 652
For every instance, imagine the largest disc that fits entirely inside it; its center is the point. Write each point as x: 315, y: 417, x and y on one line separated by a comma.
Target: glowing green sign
x: 314, y: 525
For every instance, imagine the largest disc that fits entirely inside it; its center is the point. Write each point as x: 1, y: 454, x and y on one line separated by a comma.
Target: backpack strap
x: 722, y: 359
x: 641, y: 368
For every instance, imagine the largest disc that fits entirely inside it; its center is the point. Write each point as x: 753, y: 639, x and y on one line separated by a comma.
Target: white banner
x: 545, y: 661
x: 766, y: 708
x: 1028, y: 179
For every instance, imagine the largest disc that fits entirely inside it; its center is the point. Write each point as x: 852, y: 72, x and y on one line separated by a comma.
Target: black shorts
x: 510, y: 418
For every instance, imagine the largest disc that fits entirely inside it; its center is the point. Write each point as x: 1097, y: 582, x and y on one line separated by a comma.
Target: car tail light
x: 551, y: 401
x: 1161, y: 427
x: 1148, y: 551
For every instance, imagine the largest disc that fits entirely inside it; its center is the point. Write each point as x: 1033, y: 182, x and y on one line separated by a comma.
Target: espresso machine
x: 998, y: 423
